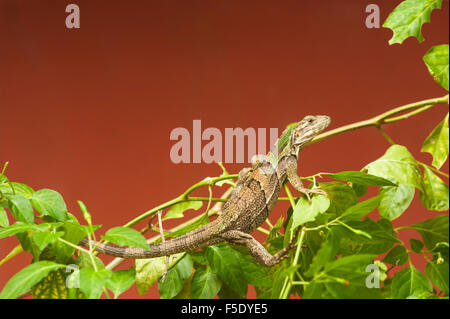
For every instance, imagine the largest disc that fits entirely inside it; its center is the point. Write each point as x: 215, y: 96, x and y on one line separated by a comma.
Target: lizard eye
x: 310, y: 120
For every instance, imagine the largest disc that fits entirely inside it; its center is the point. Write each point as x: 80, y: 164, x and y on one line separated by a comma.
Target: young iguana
x: 250, y: 202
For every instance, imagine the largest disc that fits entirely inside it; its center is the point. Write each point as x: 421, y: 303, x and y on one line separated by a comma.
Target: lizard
x: 250, y: 203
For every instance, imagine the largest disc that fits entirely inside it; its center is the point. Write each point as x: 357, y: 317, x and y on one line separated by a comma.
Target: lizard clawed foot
x: 317, y: 191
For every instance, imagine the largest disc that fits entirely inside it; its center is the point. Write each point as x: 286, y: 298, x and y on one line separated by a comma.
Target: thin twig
x: 182, y: 198
x: 385, y: 118
x: 387, y: 137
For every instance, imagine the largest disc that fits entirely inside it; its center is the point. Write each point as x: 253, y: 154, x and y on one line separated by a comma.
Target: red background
x: 88, y: 111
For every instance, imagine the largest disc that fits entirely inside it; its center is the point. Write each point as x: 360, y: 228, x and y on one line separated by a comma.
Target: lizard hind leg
x: 258, y: 252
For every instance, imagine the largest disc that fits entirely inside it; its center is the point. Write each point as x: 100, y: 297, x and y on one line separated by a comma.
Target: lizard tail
x: 197, y: 238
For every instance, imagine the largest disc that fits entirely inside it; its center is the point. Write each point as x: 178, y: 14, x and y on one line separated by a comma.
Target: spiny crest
x: 284, y: 140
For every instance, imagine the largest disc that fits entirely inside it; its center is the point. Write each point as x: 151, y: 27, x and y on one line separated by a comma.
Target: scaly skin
x: 250, y: 203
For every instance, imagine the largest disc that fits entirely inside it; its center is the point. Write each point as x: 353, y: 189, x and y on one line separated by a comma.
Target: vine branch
x: 385, y: 118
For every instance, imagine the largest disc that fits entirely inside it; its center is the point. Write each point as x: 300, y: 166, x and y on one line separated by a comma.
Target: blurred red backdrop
x: 88, y: 111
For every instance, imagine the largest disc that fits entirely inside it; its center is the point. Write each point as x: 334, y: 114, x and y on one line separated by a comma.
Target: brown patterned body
x: 249, y: 205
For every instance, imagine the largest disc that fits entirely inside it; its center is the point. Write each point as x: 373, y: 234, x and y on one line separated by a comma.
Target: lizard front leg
x: 296, y: 182
x: 258, y: 252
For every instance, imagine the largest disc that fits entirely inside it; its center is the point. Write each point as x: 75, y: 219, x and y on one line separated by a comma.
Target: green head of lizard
x: 306, y: 130
x: 298, y: 134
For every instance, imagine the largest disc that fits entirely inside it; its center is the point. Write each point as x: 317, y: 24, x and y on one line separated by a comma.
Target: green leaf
x: 396, y: 256
x: 409, y: 281
x: 356, y: 231
x: 437, y: 142
x: 344, y: 262
x: 185, y: 292
x: 306, y: 211
x: 325, y: 254
x: 341, y: 196
x: 253, y: 272
x: 225, y: 262
x: 14, y: 229
x: 27, y: 278
x: 80, y: 230
x: 3, y: 178
x: 397, y: 164
x: 120, y: 281
x: 85, y: 261
x: 421, y: 294
x: 4, y: 222
x: 85, y: 212
x: 226, y: 292
x: 395, y: 200
x: 14, y: 188
x: 54, y: 286
x: 435, y: 194
x: 73, y: 233
x: 205, y: 284
x: 438, y: 273
x: 148, y: 271
x: 360, y: 190
x: 433, y: 230
x: 175, y: 278
x: 125, y: 236
x: 177, y: 210
x: 279, y: 273
x: 92, y: 282
x: 46, y: 226
x: 436, y: 60
x: 416, y: 245
x: 28, y: 244
x: 21, y: 208
x: 361, y: 178
x: 358, y: 211
x: 316, y: 290
x: 347, y: 276
x: 382, y: 236
x: 198, y: 257
x: 42, y: 239
x: 407, y: 18
x: 50, y: 202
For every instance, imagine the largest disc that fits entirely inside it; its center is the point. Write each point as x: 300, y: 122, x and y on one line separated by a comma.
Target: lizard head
x: 307, y: 129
